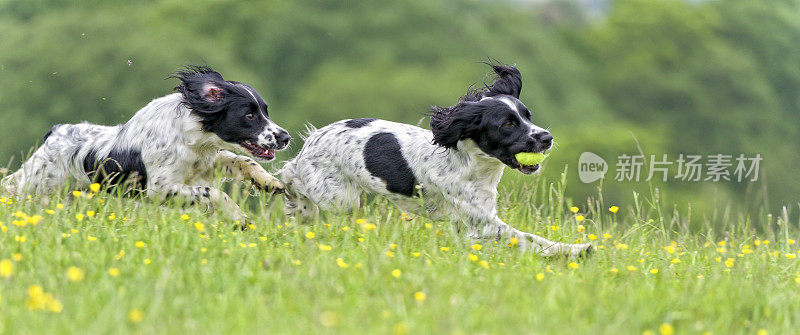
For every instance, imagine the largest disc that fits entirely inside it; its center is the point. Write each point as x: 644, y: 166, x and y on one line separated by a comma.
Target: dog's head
x: 233, y: 111
x: 495, y: 119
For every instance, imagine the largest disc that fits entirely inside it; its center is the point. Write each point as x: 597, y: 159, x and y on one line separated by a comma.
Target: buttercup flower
x: 579, y: 218
x: 420, y: 296
x: 113, y: 272
x: 341, y: 263
x: 477, y: 247
x: 74, y: 274
x: 613, y: 209
x: 573, y: 209
x: 136, y: 315
x: 6, y: 268
x: 396, y: 273
x: 310, y: 235
x: 94, y: 187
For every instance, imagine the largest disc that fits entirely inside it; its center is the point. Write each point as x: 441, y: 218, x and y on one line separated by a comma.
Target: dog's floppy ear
x: 452, y: 124
x: 202, y: 88
x: 508, y: 81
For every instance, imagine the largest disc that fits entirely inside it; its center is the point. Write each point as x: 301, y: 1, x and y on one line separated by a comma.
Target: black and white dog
x: 456, y: 166
x: 170, y: 148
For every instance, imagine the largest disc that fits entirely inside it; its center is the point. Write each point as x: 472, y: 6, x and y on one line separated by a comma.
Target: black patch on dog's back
x: 119, y: 167
x: 358, y: 123
x: 385, y: 160
x: 50, y: 132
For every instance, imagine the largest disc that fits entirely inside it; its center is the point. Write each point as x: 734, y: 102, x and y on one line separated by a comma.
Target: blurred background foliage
x: 675, y: 76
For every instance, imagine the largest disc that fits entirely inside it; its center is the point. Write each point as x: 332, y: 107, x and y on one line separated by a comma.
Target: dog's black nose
x: 283, y: 138
x: 544, y: 138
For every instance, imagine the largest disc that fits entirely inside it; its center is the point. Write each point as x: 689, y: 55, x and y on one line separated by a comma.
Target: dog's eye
x: 508, y: 124
x: 250, y: 116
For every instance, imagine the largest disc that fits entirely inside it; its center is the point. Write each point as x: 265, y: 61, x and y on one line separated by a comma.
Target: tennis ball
x: 530, y: 158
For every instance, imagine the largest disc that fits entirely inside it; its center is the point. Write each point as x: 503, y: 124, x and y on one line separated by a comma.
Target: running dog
x: 170, y: 149
x: 456, y: 165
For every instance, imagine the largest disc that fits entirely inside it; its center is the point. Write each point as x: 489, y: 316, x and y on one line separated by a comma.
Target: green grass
x: 274, y: 279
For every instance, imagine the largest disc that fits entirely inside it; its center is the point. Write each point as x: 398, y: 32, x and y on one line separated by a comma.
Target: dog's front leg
x: 482, y: 223
x: 499, y: 230
x: 211, y: 197
x: 245, y: 168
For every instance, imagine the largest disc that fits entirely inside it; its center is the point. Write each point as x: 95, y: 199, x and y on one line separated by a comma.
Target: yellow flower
x: 477, y: 247
x: 20, y: 239
x: 389, y: 254
x: 368, y: 226
x: 573, y: 265
x: 554, y: 227
x: 34, y: 219
x: 346, y: 228
x: 147, y: 261
x: 199, y: 226
x: 613, y: 209
x: 632, y: 268
x: 76, y: 193
x: 790, y: 241
x: 579, y: 218
x: 184, y: 217
x: 6, y: 268
x: 139, y: 244
x: 614, y: 270
x: 592, y: 237
x: 325, y: 247
x: 95, y: 187
x: 513, y: 241
x: 73, y: 230
x: 90, y: 214
x: 444, y: 248
x: 341, y: 263
x: 654, y: 271
x: 310, y: 235
x: 581, y: 228
x: 675, y: 261
x: 91, y: 238
x: 790, y: 256
x: 762, y: 332
x: 203, y: 261
x: 361, y: 239
x: 540, y: 276
x: 622, y: 246
x: 74, y: 274
x: 428, y: 225
x: 297, y: 262
x: 16, y: 257
x: 420, y: 296
x: 573, y: 209
x: 472, y: 257
x: 79, y: 216
x: 136, y: 315
x: 361, y: 221
x: 113, y: 272
x: 729, y: 262
x: 396, y: 273
x: 606, y: 236
x: 415, y: 254
x: 60, y: 206
x: 393, y: 246
x: 484, y: 264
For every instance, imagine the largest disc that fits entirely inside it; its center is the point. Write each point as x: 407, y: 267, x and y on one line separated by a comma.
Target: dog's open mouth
x: 526, y: 169
x: 258, y: 151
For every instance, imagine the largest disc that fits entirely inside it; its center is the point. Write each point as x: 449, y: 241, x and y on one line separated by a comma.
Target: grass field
x: 97, y: 263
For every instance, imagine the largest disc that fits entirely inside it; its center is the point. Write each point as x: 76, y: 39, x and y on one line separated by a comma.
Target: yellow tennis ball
x: 530, y: 158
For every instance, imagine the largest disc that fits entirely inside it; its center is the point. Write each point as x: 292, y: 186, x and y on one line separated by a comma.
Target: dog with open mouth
x: 456, y: 166
x: 170, y: 149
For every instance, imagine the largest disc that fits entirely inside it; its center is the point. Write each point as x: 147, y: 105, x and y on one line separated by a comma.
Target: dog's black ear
x: 508, y: 81
x: 203, y: 89
x: 452, y: 124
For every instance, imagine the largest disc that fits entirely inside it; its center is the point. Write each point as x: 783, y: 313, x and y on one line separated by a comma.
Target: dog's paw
x: 267, y: 183
x: 578, y: 251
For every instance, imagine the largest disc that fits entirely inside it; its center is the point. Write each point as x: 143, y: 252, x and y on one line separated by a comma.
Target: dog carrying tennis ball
x: 530, y: 158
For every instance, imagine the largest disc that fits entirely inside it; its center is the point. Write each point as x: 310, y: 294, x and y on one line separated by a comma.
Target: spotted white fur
x: 330, y: 174
x: 179, y: 156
